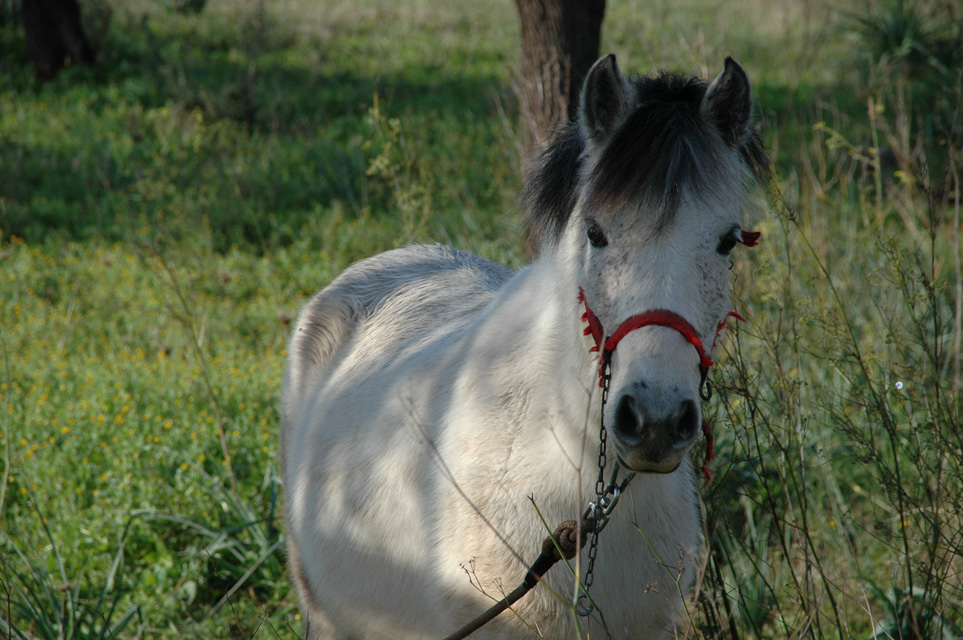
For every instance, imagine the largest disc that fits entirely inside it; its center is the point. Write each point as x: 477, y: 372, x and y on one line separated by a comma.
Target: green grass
x: 164, y: 215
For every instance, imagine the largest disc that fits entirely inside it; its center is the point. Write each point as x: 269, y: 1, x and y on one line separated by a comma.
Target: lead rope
x: 565, y: 542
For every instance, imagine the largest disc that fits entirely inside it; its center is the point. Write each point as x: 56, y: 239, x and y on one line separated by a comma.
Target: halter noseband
x: 659, y: 318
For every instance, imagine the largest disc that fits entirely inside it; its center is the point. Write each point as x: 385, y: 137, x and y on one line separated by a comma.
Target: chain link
x: 596, y: 509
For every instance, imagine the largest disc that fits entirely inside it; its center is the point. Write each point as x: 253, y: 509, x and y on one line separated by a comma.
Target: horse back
x: 381, y: 306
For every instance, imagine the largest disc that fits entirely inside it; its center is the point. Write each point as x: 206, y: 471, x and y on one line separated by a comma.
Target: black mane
x: 662, y: 147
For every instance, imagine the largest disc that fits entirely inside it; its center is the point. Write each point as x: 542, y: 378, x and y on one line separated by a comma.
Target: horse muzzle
x: 654, y: 437
x: 652, y: 431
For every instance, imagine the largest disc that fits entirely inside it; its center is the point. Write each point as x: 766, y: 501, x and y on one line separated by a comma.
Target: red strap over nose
x: 658, y: 317
x: 661, y: 318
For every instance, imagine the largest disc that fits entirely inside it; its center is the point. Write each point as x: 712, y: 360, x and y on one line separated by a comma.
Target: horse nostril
x: 628, y: 424
x: 635, y: 428
x: 687, y: 427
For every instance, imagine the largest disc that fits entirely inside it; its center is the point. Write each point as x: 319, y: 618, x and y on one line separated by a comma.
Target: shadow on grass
x: 167, y: 126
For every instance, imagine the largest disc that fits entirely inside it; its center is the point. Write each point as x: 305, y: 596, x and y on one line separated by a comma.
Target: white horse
x: 433, y: 399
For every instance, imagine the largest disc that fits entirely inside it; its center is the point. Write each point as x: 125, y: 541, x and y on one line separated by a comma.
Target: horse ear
x: 728, y: 103
x: 605, y: 99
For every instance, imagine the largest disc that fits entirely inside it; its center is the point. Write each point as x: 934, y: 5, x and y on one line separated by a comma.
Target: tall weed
x: 61, y: 603
x: 839, y: 512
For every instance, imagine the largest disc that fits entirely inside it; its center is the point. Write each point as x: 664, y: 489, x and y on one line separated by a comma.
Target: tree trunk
x: 54, y: 35
x: 560, y: 42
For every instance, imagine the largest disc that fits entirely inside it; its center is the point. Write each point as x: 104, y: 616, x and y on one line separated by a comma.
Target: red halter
x: 663, y: 318
x: 658, y: 317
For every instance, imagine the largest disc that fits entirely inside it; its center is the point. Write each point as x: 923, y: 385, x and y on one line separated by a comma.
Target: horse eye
x: 595, y: 235
x: 728, y: 242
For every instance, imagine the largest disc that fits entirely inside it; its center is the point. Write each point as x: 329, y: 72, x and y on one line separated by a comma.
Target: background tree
x: 560, y: 42
x: 54, y: 35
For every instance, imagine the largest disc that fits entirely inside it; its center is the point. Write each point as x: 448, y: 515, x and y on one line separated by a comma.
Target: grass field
x: 164, y: 215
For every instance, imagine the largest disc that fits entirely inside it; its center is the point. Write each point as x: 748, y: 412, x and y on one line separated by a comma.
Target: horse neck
x: 559, y: 346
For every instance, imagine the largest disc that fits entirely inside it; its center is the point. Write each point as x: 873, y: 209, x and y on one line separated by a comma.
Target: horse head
x: 639, y: 200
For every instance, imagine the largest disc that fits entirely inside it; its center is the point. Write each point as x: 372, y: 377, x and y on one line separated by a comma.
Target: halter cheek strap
x: 748, y: 238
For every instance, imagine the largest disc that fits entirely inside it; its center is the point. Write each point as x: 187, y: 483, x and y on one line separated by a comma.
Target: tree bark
x: 560, y: 42
x: 54, y: 35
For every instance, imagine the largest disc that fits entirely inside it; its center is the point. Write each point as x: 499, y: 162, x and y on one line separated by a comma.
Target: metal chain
x: 596, y: 508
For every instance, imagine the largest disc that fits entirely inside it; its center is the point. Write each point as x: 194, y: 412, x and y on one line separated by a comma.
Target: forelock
x: 663, y: 149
